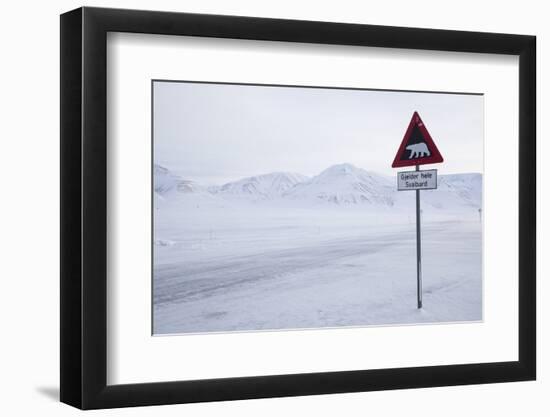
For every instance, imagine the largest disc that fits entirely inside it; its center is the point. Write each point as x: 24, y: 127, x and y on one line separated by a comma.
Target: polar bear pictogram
x: 418, y: 150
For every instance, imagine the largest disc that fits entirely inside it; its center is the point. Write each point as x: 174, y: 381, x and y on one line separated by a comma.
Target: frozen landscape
x: 286, y: 251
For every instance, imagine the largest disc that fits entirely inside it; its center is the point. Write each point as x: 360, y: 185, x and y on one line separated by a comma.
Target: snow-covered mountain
x: 454, y: 192
x: 466, y: 186
x: 261, y: 187
x: 165, y: 181
x: 345, y: 184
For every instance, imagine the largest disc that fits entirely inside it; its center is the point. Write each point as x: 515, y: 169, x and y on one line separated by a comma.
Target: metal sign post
x: 418, y: 180
x: 418, y: 251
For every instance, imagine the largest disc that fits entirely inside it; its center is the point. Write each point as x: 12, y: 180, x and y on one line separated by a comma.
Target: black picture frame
x: 84, y: 207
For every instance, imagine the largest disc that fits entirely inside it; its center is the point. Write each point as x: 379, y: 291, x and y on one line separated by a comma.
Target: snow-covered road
x: 348, y: 277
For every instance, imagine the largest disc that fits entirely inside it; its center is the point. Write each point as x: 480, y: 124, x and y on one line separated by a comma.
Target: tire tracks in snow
x: 180, y: 282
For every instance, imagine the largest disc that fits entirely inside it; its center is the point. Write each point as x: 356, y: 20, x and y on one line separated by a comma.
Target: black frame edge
x: 94, y: 209
x: 70, y: 219
x: 527, y: 268
x: 273, y: 386
x: 83, y: 208
x: 303, y: 31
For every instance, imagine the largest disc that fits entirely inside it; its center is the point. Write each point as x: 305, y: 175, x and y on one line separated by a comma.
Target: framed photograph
x: 257, y: 208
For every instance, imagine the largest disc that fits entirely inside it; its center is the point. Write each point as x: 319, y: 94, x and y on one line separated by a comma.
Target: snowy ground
x: 233, y: 268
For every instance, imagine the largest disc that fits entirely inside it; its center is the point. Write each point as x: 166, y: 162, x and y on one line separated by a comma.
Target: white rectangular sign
x: 417, y: 180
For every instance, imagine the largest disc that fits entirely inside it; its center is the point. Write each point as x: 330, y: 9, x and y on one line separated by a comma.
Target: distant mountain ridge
x: 340, y: 185
x: 266, y: 186
x: 463, y: 185
x: 165, y: 181
x: 345, y: 184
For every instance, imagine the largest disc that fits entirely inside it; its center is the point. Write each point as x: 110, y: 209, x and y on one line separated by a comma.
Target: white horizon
x: 309, y: 177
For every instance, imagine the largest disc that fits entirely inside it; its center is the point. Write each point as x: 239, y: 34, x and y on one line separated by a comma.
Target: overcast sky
x: 214, y: 133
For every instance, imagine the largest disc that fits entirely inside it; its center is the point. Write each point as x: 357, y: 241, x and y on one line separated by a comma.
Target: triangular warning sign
x: 417, y: 147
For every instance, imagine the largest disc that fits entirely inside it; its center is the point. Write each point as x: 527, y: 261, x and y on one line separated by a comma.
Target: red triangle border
x: 435, y: 156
